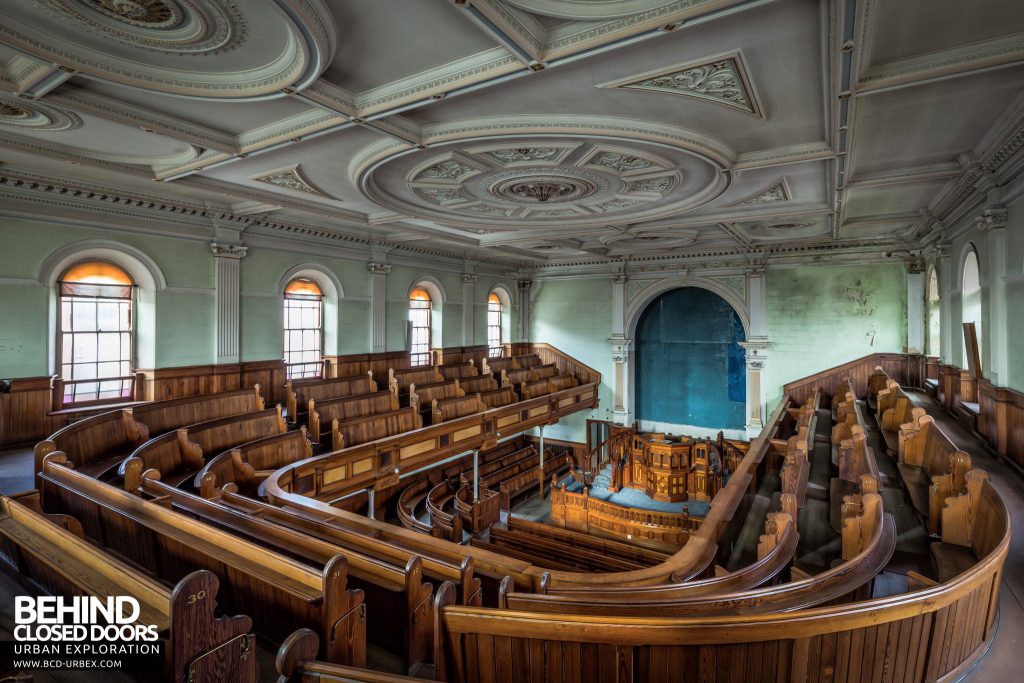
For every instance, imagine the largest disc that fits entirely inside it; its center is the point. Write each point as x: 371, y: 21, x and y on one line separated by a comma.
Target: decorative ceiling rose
x: 17, y: 113
x: 290, y: 179
x: 720, y: 79
x: 449, y: 169
x: 541, y: 191
x: 622, y: 163
x: 144, y: 12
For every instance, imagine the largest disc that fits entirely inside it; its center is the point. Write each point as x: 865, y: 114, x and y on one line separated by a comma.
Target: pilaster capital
x: 469, y: 278
x: 378, y: 268
x: 991, y: 219
x: 619, y: 278
x: 620, y: 349
x: 756, y: 353
x: 232, y: 251
x: 524, y: 284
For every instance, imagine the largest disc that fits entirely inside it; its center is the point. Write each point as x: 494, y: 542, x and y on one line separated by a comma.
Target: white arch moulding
x: 144, y: 271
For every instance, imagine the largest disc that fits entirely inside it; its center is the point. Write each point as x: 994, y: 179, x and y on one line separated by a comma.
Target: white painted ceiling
x: 690, y: 128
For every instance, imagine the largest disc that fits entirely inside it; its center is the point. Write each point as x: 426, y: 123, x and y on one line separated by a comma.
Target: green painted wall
x: 819, y: 317
x: 575, y: 316
x: 1015, y: 294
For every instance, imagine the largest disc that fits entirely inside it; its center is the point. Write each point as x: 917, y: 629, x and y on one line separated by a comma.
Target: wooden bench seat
x: 279, y: 593
x: 496, y: 365
x: 465, y: 370
x: 972, y: 525
x: 550, y: 385
x: 180, y: 454
x: 322, y: 413
x: 296, y: 662
x: 400, y: 379
x: 421, y: 395
x: 453, y: 408
x: 365, y: 429
x: 495, y: 398
x: 298, y: 393
x: 245, y: 465
x: 931, y: 467
x: 98, y: 444
x: 197, y: 645
x: 480, y: 384
x: 399, y: 604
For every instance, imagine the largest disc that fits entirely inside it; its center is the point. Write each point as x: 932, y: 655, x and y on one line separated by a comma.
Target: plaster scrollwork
x: 448, y: 169
x: 525, y: 154
x: 991, y: 219
x: 659, y: 185
x: 469, y: 278
x: 736, y: 283
x: 721, y: 79
x: 228, y: 251
x: 776, y: 192
x: 622, y: 163
x: 288, y: 178
x: 378, y: 268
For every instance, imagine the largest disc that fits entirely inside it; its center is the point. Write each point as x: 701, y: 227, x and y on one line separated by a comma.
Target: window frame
x: 494, y: 322
x: 65, y: 366
x: 287, y: 303
x: 419, y: 352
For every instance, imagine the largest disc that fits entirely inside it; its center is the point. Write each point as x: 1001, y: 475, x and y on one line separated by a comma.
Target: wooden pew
x: 496, y: 365
x: 323, y: 413
x: 844, y: 408
x: 279, y: 593
x: 971, y: 527
x: 717, y: 596
x: 399, y: 603
x: 495, y: 398
x: 178, y: 455
x: 877, y: 381
x: 299, y: 393
x: 98, y: 444
x: 246, y: 465
x: 400, y: 379
x: 625, y: 551
x: 454, y: 408
x: 446, y: 525
x: 930, y: 466
x: 421, y: 396
x: 474, y: 385
x: 296, y: 662
x: 524, y: 481
x: 795, y: 472
x: 528, y: 390
x: 465, y: 370
x: 894, y: 409
x: 459, y: 572
x: 408, y: 501
x: 373, y: 427
x: 197, y: 645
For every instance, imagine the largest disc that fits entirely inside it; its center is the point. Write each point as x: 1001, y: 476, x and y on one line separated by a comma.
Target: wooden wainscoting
x: 857, y: 371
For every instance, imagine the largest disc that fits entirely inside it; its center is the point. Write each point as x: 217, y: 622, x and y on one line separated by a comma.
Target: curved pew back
x: 299, y: 393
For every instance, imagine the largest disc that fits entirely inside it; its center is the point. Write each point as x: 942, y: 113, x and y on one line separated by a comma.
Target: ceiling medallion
x: 720, y: 79
x: 534, y: 186
x: 9, y: 112
x: 525, y: 154
x: 541, y: 191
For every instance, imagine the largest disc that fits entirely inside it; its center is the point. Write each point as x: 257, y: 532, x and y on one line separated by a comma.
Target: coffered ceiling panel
x: 517, y: 134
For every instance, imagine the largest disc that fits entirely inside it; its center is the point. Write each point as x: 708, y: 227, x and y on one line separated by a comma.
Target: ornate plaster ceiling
x: 517, y: 133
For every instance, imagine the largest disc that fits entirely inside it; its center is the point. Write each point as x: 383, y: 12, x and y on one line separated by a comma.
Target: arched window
x: 933, y: 312
x: 94, y: 338
x: 303, y: 329
x: 419, y: 327
x: 970, y: 307
x: 494, y: 340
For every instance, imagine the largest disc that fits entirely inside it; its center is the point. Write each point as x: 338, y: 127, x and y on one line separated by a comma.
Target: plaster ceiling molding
x: 722, y: 79
x: 547, y: 181
x: 586, y: 10
x: 648, y: 240
x: 18, y: 113
x: 776, y: 192
x: 289, y: 178
x: 506, y: 155
x: 194, y: 48
x: 785, y: 229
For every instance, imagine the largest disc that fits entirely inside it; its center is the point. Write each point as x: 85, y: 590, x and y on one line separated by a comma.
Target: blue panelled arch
x: 690, y: 368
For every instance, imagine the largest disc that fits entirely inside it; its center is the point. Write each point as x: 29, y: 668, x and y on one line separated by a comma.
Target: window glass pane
x: 126, y: 315
x: 65, y: 314
x: 84, y: 348
x: 84, y: 371
x: 109, y: 370
x: 108, y: 317
x: 109, y: 347
x: 83, y: 316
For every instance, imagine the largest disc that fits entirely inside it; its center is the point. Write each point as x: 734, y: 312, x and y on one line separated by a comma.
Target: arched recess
x: 332, y: 290
x: 933, y: 313
x: 505, y: 297
x: 144, y: 271
x: 970, y: 296
x: 438, y: 298
x: 690, y: 365
x: 636, y: 308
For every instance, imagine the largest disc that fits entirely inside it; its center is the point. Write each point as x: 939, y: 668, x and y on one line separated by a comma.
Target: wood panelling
x: 857, y: 372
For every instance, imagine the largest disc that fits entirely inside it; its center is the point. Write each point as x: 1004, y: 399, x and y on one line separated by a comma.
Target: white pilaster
x: 468, y: 308
x: 757, y: 390
x: 523, y: 323
x: 228, y: 257
x: 993, y: 223
x: 623, y: 358
x: 915, y: 310
x: 757, y: 291
x: 378, y: 304
x: 949, y: 331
